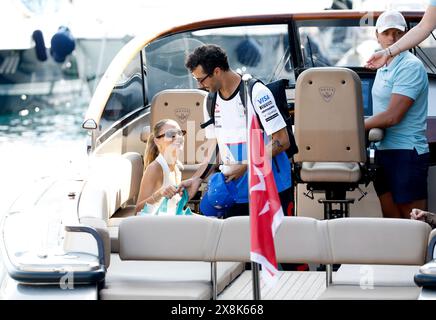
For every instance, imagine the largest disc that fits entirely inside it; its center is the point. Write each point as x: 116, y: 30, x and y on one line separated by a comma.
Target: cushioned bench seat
x: 110, y: 192
x: 352, y: 292
x: 114, y: 223
x: 167, y: 280
x: 379, y: 275
x: 394, y: 246
x: 373, y: 282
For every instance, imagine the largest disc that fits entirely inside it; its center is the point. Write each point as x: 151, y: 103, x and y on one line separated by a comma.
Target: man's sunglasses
x: 200, y: 81
x: 172, y: 134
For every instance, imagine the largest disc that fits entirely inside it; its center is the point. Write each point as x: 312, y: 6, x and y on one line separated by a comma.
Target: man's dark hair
x: 209, y: 57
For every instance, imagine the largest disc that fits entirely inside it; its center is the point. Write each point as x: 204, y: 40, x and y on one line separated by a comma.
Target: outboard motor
x: 40, y: 49
x: 62, y: 44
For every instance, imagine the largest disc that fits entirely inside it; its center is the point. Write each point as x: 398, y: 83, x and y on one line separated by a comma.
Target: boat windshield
x: 41, y: 7
x: 351, y: 46
x: 262, y: 51
x: 345, y: 46
x: 426, y: 51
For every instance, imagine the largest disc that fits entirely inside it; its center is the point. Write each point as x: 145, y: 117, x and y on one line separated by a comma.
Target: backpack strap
x: 251, y: 84
x: 211, y: 164
x: 210, y: 107
x: 212, y: 96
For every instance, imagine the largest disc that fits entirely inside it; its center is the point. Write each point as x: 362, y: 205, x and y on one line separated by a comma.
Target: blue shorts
x: 403, y: 173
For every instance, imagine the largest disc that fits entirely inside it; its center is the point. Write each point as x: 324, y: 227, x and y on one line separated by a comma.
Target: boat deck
x: 291, y: 285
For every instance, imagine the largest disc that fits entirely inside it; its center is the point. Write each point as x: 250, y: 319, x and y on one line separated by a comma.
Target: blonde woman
x: 162, y: 173
x: 415, y: 36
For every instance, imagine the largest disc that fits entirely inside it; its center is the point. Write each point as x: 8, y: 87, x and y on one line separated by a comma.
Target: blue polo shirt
x: 405, y: 75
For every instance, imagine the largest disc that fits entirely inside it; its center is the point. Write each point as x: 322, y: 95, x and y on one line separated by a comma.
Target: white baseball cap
x: 390, y: 19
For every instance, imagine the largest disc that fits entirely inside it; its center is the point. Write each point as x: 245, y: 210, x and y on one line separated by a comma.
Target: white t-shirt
x: 230, y: 128
x: 169, y: 178
x: 231, y: 134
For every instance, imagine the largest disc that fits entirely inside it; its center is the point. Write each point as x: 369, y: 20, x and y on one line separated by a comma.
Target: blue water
x: 35, y: 144
x: 45, y: 125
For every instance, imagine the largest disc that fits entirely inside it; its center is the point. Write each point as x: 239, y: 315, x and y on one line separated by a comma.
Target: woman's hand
x: 167, y: 192
x: 377, y: 60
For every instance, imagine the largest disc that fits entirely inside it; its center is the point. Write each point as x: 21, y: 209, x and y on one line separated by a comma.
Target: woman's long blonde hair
x: 151, y: 150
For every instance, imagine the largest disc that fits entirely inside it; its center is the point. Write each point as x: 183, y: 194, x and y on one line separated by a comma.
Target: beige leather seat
x: 379, y: 258
x: 393, y: 248
x: 329, y: 130
x: 165, y: 280
x: 164, y: 257
x: 186, y: 107
x: 110, y: 192
x: 107, y: 199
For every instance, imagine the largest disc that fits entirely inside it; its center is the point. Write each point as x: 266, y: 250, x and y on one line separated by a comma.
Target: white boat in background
x: 33, y: 73
x: 100, y: 29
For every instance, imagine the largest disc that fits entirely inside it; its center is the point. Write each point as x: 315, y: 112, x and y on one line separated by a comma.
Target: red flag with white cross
x: 266, y: 212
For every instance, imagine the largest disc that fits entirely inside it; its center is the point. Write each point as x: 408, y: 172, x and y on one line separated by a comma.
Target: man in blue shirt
x: 400, y: 94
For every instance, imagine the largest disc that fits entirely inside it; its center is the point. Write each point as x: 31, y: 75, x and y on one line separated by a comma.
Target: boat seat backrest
x: 293, y: 244
x: 113, y: 183
x: 166, y: 238
x: 329, y: 125
x: 185, y: 106
x: 298, y: 240
x: 306, y: 236
x: 378, y: 241
x: 135, y: 174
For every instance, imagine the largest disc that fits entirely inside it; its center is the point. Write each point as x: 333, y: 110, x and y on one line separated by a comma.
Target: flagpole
x: 255, y: 280
x: 254, y: 265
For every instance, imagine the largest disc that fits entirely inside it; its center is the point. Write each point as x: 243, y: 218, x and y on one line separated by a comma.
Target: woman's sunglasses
x: 172, y: 134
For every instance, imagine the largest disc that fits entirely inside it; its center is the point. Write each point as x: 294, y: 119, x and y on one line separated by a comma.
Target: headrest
x: 145, y: 134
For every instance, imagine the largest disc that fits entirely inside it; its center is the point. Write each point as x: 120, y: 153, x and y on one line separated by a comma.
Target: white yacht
x: 46, y: 60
